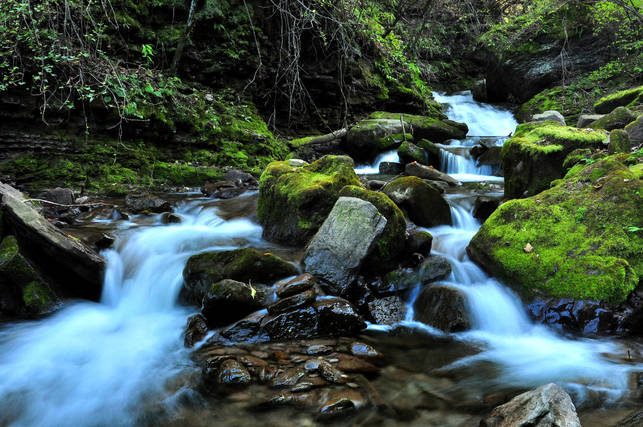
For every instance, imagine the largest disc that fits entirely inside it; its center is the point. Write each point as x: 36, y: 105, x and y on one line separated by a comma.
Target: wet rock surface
x: 146, y: 203
x: 548, y: 405
x: 590, y: 318
x: 328, y: 384
x: 431, y: 269
x: 442, y: 307
x: 245, y: 265
x: 345, y: 239
x: 73, y: 266
x: 424, y: 205
x: 235, y: 183
x: 230, y: 300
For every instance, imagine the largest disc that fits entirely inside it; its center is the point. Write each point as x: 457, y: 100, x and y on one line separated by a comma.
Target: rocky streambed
x: 380, y: 318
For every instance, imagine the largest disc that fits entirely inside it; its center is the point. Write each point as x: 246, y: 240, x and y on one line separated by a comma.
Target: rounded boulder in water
x: 424, y: 205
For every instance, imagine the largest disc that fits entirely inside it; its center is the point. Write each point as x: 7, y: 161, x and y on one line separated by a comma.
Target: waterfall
x: 525, y: 353
x: 482, y: 119
x: 374, y: 167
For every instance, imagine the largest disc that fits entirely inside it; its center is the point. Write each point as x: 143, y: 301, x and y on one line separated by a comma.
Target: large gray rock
x: 550, y: 115
x: 548, y: 405
x: 74, y: 266
x: 635, y: 131
x: 584, y: 120
x: 443, y: 307
x: 344, y: 240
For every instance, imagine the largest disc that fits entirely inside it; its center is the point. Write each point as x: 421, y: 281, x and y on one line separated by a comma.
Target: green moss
x: 37, y: 297
x: 619, y: 142
x: 534, y: 156
x: 617, y: 119
x: 293, y: 202
x: 244, y: 265
x: 580, y: 234
x: 410, y: 152
x: 429, y: 127
x: 390, y: 244
x: 576, y: 156
x: 627, y: 98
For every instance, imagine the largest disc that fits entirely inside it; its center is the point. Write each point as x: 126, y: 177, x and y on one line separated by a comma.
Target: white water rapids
x: 95, y: 363
x: 526, y: 354
x: 108, y: 363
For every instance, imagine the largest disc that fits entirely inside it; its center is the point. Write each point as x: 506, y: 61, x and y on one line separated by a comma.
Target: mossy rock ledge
x: 581, y: 239
x: 534, y: 156
x: 431, y: 128
x: 243, y: 265
x: 625, y: 98
x: 295, y: 201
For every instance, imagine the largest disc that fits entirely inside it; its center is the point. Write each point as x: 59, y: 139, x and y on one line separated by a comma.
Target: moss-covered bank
x: 580, y: 239
x: 534, y: 156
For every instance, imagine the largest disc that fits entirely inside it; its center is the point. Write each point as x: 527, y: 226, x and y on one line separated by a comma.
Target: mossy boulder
x: 20, y: 282
x: 534, y: 156
x: 575, y: 157
x: 371, y: 136
x: 580, y: 239
x: 624, y: 98
x: 390, y: 244
x: 635, y: 131
x: 434, y: 129
x: 434, y: 153
x: 229, y: 300
x: 423, y: 204
x: 295, y: 201
x: 617, y: 119
x: 410, y: 152
x: 243, y: 265
x: 619, y: 142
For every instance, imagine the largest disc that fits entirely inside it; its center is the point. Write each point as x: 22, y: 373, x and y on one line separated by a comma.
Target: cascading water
x: 487, y: 124
x: 374, y: 167
x: 97, y: 363
x: 525, y: 353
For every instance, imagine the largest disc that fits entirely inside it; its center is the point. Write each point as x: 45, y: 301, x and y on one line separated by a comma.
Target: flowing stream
x: 97, y: 363
x: 110, y: 363
x: 526, y: 354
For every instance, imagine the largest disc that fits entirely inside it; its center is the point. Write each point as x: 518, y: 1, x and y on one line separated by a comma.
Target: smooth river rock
x: 546, y: 406
x: 337, y: 251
